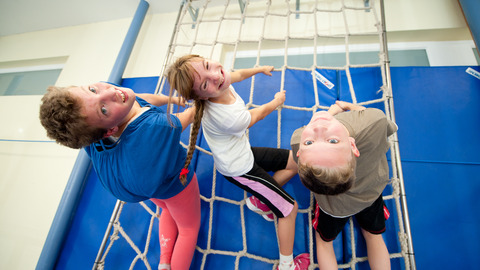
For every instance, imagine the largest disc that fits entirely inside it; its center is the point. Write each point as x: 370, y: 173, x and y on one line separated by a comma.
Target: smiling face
x: 325, y: 142
x: 105, y: 105
x: 211, y: 80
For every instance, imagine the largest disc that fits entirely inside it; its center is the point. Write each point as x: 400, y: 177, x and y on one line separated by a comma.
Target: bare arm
x: 347, y: 106
x: 334, y: 109
x: 243, y: 74
x: 159, y: 100
x: 264, y: 110
x: 186, y: 117
x: 341, y: 106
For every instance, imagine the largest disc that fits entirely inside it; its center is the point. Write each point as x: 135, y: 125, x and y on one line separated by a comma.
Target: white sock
x: 286, y: 262
x: 164, y: 266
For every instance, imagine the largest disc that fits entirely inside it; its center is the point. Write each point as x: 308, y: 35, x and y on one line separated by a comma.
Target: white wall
x: 33, y: 175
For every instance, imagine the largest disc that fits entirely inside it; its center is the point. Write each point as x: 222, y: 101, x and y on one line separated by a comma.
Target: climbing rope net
x: 257, y: 30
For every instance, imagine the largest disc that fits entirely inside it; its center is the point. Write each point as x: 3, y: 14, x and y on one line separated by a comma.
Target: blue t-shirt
x: 146, y: 160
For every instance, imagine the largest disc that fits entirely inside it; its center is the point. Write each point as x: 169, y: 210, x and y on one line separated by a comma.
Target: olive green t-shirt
x: 370, y: 128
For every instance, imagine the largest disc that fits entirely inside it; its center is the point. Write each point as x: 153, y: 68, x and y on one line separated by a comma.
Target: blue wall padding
x: 88, y: 226
x: 438, y: 117
x: 443, y: 113
x: 437, y: 113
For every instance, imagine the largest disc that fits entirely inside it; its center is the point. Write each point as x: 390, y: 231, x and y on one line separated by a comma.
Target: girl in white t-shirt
x: 225, y: 119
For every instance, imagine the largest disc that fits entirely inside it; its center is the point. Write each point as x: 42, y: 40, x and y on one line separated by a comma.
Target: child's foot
x: 259, y: 207
x: 301, y: 262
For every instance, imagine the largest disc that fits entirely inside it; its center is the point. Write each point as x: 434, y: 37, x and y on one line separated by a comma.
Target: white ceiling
x: 21, y: 16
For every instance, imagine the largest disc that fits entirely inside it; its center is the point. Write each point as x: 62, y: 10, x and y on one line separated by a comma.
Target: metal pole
x: 403, y: 197
x: 107, y: 233
x: 129, y: 41
x: 470, y: 10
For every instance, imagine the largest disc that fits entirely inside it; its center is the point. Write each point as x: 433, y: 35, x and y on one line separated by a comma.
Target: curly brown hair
x: 180, y: 76
x: 328, y: 181
x: 61, y: 115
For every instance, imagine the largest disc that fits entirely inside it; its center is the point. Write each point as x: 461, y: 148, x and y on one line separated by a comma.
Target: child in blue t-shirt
x: 135, y: 150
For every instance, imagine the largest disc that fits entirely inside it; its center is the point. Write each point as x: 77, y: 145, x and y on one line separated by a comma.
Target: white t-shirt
x: 224, y: 127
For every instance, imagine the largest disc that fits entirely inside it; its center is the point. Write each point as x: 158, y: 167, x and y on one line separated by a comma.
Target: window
x: 397, y: 58
x: 475, y: 52
x: 30, y: 77
x: 424, y: 54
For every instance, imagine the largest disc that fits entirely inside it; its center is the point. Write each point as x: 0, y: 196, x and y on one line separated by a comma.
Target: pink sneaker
x: 259, y: 207
x: 301, y: 262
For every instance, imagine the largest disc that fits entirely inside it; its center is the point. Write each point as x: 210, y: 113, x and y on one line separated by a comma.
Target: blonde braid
x: 180, y: 76
x: 199, y: 105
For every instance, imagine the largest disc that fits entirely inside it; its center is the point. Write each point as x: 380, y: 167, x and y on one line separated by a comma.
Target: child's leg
x: 286, y: 238
x: 259, y: 183
x: 372, y: 222
x: 286, y: 232
x: 184, y: 208
x: 167, y: 232
x: 378, y: 256
x: 325, y: 254
x: 326, y: 230
x: 279, y: 161
x: 283, y: 176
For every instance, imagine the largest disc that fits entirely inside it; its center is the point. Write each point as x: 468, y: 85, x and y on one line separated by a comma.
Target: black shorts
x: 261, y: 184
x: 371, y: 219
x: 270, y: 159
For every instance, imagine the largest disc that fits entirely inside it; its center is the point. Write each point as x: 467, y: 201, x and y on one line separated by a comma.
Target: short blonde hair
x: 61, y: 115
x: 328, y: 181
